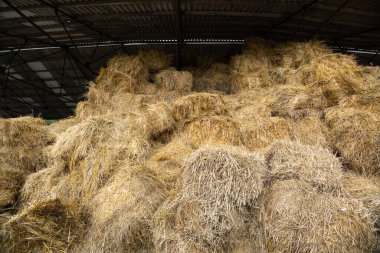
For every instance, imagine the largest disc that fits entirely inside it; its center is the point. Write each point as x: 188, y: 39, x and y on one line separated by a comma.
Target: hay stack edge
x: 274, y: 150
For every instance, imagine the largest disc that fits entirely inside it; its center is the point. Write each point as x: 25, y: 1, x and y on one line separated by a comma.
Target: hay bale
x: 356, y: 136
x: 297, y: 219
x: 311, y: 130
x: 155, y: 60
x: 197, y: 105
x: 51, y: 226
x: 120, y: 213
x: 365, y: 189
x: 22, y: 143
x: 316, y: 166
x: 250, y: 71
x: 123, y: 74
x: 260, y: 132
x: 11, y: 181
x: 168, y: 161
x: 171, y: 79
x: 213, y: 130
x: 209, y: 213
x: 216, y: 78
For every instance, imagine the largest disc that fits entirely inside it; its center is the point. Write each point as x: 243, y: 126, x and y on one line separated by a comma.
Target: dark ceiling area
x: 49, y: 50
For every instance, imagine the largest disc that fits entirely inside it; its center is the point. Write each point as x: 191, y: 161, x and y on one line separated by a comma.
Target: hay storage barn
x: 189, y: 126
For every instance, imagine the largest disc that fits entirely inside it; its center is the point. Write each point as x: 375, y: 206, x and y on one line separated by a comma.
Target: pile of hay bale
x: 277, y: 151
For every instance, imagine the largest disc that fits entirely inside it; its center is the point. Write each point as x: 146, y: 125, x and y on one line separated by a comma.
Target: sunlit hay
x: 316, y: 166
x: 369, y: 101
x: 171, y: 79
x: 223, y: 180
x: 168, y: 161
x: 155, y: 60
x: 311, y: 130
x: 51, y: 226
x: 22, y: 143
x: 216, y: 78
x: 365, y: 189
x: 250, y: 71
x: 298, y: 219
x: 62, y: 125
x: 121, y: 211
x: 123, y: 74
x: 356, y: 136
x: 259, y: 132
x: 197, y: 105
x: 11, y: 181
x: 213, y: 130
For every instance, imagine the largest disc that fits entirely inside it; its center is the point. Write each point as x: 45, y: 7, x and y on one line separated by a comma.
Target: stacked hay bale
x: 248, y: 157
x: 23, y: 150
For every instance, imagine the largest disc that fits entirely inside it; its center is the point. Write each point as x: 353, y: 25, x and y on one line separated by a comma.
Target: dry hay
x: 365, y: 189
x: 101, y: 102
x: 168, y: 161
x: 22, y: 143
x: 259, y: 132
x: 297, y: 219
x: 11, y: 181
x: 216, y: 78
x: 197, y: 105
x: 250, y: 71
x: 209, y: 213
x: 311, y: 130
x: 51, y: 226
x: 213, y: 130
x: 155, y: 60
x: 316, y: 166
x: 120, y: 213
x: 313, y: 64
x: 171, y: 79
x: 123, y: 74
x: 356, y: 136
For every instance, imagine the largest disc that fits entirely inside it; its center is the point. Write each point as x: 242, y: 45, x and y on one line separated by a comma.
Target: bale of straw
x: 147, y: 89
x: 22, y: 143
x: 155, y: 60
x: 120, y: 213
x: 171, y: 79
x: 56, y: 185
x: 209, y: 213
x: 365, y: 189
x: 311, y: 130
x: 168, y: 161
x: 250, y: 71
x: 316, y: 166
x: 123, y: 74
x: 297, y: 219
x: 216, y: 78
x: 355, y: 135
x: 51, y: 226
x: 197, y: 105
x: 11, y: 181
x: 256, y: 45
x: 213, y: 130
x: 259, y: 132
